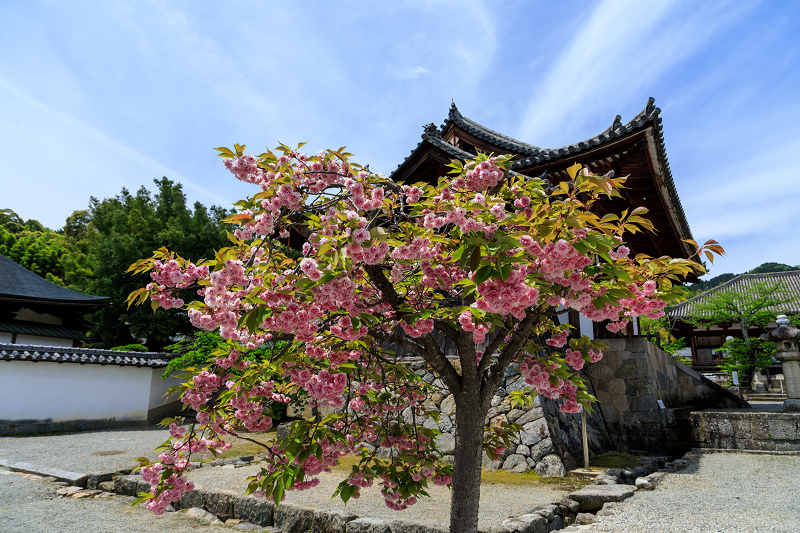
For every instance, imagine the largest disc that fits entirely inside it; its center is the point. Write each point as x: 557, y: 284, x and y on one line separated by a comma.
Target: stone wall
x: 629, y: 381
x: 746, y: 431
x: 550, y: 441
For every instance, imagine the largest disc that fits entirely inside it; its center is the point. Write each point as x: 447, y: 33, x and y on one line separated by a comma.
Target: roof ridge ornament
x: 431, y: 129
x: 651, y: 109
x: 454, y: 113
x: 617, y: 123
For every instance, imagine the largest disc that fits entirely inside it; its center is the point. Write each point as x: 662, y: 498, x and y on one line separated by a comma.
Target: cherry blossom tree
x: 485, y: 258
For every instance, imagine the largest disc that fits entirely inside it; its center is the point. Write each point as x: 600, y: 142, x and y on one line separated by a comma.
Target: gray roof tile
x: 17, y: 283
x: 790, y: 288
x: 57, y: 354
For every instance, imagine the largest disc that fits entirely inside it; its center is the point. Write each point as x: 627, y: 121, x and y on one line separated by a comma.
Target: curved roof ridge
x: 482, y: 132
x: 617, y: 129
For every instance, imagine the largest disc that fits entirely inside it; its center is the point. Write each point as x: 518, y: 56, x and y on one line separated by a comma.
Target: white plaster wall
x: 159, y: 387
x: 5, y: 337
x: 36, y: 340
x: 67, y: 391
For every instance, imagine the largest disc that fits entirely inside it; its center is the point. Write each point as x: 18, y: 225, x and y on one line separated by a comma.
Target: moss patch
x: 532, y: 478
x: 616, y: 460
x: 241, y: 447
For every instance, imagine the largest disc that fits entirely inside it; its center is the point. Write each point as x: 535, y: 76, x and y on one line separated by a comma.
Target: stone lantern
x: 786, y: 340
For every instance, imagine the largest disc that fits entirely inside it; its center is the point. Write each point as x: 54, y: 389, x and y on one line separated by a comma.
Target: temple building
x: 635, y: 149
x: 48, y: 383
x: 705, y: 342
x: 38, y: 312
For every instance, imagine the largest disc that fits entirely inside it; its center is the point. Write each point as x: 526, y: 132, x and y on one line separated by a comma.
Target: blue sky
x: 96, y: 96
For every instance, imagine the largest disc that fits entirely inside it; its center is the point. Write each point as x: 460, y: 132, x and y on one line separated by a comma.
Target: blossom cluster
x: 339, y: 316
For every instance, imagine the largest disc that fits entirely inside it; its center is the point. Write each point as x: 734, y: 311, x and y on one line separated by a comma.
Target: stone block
x: 202, y: 514
x: 514, y: 414
x: 551, y: 466
x: 548, y: 511
x: 742, y: 428
x: 448, y: 405
x: 534, y: 414
x: 220, y: 504
x: 593, y: 497
x: 254, y: 510
x: 368, y: 525
x: 191, y: 498
x: 523, y: 450
x: 760, y: 429
x: 533, y: 432
x: 620, y: 403
x: 127, y: 485
x: 536, y: 523
x: 781, y: 429
x: 73, y: 478
x: 446, y: 443
x: 568, y: 506
x: 616, y: 386
x: 489, y: 464
x: 332, y: 521
x: 515, y: 463
x: 94, y: 479
x: 555, y: 524
x: 541, y: 449
x: 401, y: 526
x: 291, y: 518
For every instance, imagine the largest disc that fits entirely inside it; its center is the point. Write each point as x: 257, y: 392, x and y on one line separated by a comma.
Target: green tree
x: 124, y: 228
x: 660, y: 330
x: 388, y: 267
x: 746, y: 307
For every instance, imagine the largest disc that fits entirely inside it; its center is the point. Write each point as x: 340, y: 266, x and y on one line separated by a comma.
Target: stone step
x: 766, y: 396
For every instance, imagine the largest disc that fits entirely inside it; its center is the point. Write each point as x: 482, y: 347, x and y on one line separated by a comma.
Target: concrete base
x: 792, y: 405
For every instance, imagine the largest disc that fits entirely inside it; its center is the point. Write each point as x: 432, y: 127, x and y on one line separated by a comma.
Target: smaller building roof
x: 18, y: 284
x: 743, y: 283
x: 57, y: 354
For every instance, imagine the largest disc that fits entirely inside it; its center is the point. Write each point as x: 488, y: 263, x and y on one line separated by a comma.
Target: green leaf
x: 483, y: 274
x: 505, y: 271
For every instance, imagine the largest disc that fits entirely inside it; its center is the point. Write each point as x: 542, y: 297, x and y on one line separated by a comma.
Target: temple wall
x: 46, y: 396
x: 631, y: 379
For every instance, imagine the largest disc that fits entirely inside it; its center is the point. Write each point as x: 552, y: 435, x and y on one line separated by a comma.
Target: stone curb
x: 569, y: 514
x: 73, y: 478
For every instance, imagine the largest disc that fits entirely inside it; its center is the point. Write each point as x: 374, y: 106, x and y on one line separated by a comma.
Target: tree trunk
x: 471, y: 412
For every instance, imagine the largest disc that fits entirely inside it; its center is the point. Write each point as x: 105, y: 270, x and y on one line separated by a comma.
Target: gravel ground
x: 720, y: 492
x: 30, y: 505
x: 75, y: 452
x: 498, y: 501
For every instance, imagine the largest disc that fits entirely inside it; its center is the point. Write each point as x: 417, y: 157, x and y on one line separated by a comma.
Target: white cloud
x: 410, y: 74
x: 68, y: 160
x: 624, y: 46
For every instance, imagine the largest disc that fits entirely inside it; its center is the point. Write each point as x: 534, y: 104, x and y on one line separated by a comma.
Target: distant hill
x: 722, y: 278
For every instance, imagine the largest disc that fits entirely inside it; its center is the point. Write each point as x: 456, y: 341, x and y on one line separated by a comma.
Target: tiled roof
x: 432, y: 137
x: 42, y: 330
x: 789, y: 288
x: 19, y: 284
x: 497, y: 139
x: 57, y: 354
x: 538, y: 156
x: 617, y: 129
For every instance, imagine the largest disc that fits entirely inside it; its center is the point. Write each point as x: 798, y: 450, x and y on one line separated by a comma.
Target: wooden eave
x: 635, y: 150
